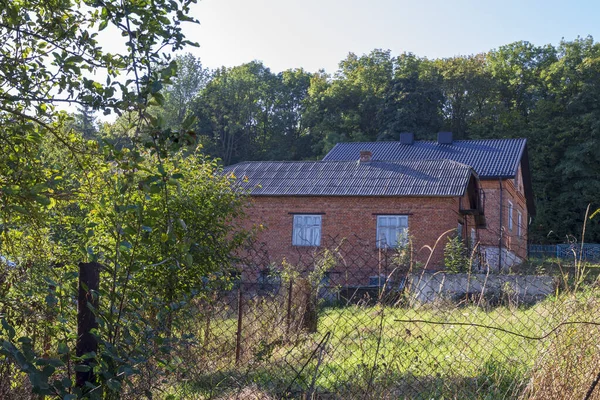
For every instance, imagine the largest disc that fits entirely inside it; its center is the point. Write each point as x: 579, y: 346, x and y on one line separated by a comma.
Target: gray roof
x: 490, y: 158
x: 440, y: 178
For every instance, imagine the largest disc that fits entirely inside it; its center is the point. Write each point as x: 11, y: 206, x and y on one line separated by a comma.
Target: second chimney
x: 365, y: 156
x: 407, y: 138
x: 444, y: 137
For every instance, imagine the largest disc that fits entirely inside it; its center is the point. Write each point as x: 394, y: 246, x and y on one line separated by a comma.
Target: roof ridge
x: 350, y: 161
x: 490, y: 158
x: 430, y: 141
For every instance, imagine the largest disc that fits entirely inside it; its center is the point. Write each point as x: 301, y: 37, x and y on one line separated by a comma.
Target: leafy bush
x: 456, y: 257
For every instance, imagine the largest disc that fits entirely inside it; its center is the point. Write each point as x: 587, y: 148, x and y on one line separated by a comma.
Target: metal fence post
x: 288, y: 318
x: 238, y: 336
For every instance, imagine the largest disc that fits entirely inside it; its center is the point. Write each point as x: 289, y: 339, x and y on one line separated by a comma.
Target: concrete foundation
x: 429, y: 287
x: 491, y: 259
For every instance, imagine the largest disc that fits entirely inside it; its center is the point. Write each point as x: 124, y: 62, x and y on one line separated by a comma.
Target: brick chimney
x: 365, y: 156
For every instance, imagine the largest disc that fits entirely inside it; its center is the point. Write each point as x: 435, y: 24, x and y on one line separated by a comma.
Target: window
x: 307, y: 230
x: 473, y: 238
x: 459, y: 230
x: 519, y: 223
x: 392, y: 230
x: 510, y: 216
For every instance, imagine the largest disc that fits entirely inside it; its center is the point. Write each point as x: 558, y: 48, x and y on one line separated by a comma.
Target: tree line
x: 547, y: 94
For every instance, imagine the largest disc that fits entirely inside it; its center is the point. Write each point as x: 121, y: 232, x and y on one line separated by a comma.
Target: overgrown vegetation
x: 429, y: 351
x: 456, y: 258
x: 157, y: 217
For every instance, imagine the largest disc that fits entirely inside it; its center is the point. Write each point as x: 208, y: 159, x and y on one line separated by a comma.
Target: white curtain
x: 307, y: 230
x: 391, y: 230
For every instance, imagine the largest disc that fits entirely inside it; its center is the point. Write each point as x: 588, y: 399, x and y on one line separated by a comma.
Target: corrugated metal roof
x: 440, y: 178
x: 490, y: 158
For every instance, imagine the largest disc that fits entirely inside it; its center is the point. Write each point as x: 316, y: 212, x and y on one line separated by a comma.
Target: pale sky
x: 316, y: 34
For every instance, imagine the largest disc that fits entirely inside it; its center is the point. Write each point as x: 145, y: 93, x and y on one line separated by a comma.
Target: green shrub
x: 456, y: 259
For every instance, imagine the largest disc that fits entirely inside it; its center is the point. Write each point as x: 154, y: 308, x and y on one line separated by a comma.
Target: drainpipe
x: 501, y: 231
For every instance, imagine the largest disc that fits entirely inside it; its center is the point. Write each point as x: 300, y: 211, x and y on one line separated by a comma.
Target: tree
x: 414, y: 101
x: 235, y: 111
x: 142, y: 210
x: 468, y: 90
x: 85, y: 123
x: 289, y: 138
x: 179, y: 95
x: 348, y: 107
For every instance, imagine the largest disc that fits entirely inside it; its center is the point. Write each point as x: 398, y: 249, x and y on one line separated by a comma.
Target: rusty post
x: 207, y: 327
x: 89, y: 282
x: 288, y: 318
x: 238, y: 336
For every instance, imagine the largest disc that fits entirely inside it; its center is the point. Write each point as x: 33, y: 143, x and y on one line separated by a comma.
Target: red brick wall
x: 490, y: 236
x: 515, y: 242
x: 355, y: 219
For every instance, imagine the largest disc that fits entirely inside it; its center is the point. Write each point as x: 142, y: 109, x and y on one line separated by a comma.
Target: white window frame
x: 306, y: 230
x: 519, y: 223
x: 400, y: 226
x: 510, y: 215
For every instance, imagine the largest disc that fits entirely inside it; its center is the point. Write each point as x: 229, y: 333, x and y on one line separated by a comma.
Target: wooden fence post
x: 89, y: 281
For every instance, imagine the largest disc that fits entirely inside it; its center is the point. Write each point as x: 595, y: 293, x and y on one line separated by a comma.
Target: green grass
x: 369, y: 352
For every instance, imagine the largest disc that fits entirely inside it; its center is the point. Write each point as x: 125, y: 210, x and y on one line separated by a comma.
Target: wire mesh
x: 343, y: 322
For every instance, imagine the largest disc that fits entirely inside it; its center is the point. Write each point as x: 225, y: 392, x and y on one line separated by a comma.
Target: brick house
x: 373, y: 204
x: 504, y: 179
x: 373, y: 195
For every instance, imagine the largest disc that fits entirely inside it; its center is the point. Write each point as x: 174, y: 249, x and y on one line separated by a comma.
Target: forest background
x: 547, y: 94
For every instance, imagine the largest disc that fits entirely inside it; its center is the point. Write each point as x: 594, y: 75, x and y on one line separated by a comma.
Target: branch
x: 498, y: 328
x: 90, y: 61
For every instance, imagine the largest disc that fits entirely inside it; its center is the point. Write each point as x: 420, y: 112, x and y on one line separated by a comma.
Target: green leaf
x: 43, y: 200
x: 63, y: 348
x: 159, y: 98
x: 8, y: 329
x: 38, y: 381
x: 114, y: 385
x: 67, y: 383
x: 82, y: 368
x: 51, y: 300
x: 188, y: 122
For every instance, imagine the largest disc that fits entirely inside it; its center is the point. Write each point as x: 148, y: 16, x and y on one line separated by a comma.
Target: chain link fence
x: 345, y: 323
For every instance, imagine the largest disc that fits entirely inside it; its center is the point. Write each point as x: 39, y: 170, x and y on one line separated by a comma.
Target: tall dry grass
x: 571, y: 361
